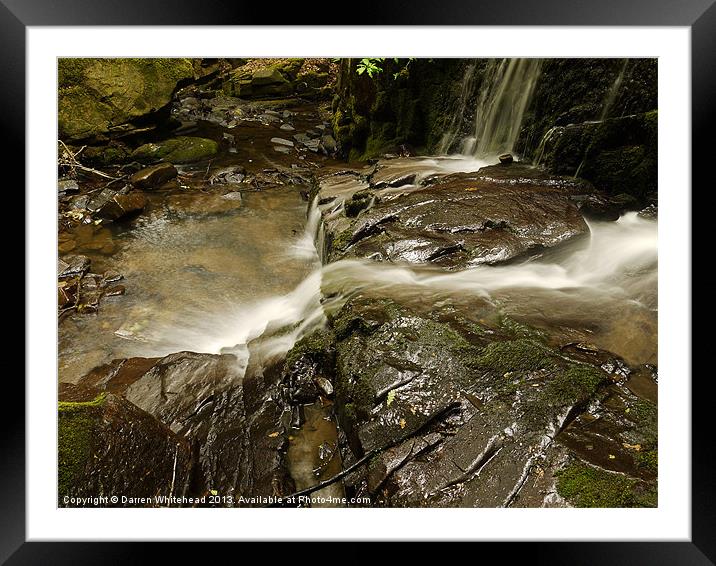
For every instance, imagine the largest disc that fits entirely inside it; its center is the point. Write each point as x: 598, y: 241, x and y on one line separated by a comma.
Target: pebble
x: 287, y: 127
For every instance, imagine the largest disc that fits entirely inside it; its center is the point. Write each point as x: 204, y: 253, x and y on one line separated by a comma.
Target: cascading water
x: 453, y: 128
x: 502, y: 105
x: 613, y: 91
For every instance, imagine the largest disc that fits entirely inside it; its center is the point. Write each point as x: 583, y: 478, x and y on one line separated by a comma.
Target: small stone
x: 301, y: 138
x: 506, y: 158
x: 282, y: 141
x: 313, y: 145
x: 153, y: 176
x: 74, y: 266
x: 122, y: 205
x: 324, y: 385
x: 111, y: 276
x: 115, y: 291
x: 287, y: 127
x: 329, y: 143
x: 65, y: 186
x: 236, y: 195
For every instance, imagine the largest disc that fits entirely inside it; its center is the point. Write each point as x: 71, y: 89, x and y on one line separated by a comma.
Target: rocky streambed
x: 244, y: 317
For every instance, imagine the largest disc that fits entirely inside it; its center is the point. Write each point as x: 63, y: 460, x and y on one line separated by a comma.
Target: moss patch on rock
x: 514, y: 356
x: 74, y: 439
x: 183, y: 149
x: 97, y: 95
x: 587, y: 486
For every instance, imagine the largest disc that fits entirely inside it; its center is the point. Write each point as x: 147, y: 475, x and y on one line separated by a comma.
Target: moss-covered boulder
x: 101, y: 96
x: 109, y: 447
x: 183, y: 149
x: 617, y: 155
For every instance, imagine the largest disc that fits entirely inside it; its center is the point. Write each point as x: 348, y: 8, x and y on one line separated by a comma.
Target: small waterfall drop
x: 613, y: 91
x: 453, y: 129
x: 501, y: 106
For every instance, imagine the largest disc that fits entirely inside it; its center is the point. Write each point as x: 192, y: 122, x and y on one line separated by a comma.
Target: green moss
x: 514, y: 355
x: 587, y: 486
x: 342, y: 240
x: 517, y: 329
x: 318, y: 346
x: 644, y: 414
x: 363, y: 396
x: 96, y: 95
x: 182, y: 149
x: 574, y: 385
x: 648, y: 459
x: 74, y: 440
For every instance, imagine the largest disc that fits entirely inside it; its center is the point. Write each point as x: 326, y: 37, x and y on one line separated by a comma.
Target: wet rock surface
x: 465, y: 219
x: 109, y: 446
x: 236, y: 427
x: 456, y: 412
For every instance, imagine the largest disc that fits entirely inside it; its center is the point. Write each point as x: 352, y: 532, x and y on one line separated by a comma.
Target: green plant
x: 370, y: 66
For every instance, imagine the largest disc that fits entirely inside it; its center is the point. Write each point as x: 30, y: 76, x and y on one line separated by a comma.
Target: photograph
x: 367, y: 282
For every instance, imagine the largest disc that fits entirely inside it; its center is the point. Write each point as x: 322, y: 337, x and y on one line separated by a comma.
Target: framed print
x: 435, y: 286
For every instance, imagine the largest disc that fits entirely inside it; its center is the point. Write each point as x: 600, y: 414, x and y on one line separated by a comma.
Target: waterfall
x: 502, y: 105
x: 613, y: 91
x: 453, y: 130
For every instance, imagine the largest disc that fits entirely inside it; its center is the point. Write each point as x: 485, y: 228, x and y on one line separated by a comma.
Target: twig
x: 325, y: 483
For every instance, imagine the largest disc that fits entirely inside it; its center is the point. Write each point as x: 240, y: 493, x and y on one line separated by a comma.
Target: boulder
x: 108, y: 446
x: 98, y: 96
x: 456, y: 221
x: 236, y: 424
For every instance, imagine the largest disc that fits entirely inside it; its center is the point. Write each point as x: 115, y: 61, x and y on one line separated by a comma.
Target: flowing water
x: 501, y: 107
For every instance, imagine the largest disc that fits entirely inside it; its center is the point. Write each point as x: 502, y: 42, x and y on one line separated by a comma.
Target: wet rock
x: 73, y: 266
x: 282, y: 141
x: 282, y: 149
x: 67, y: 186
x: 121, y: 206
x: 114, y: 291
x: 153, y: 176
x: 182, y: 149
x: 457, y: 220
x: 234, y: 424
x: 651, y: 212
x: 313, y: 145
x: 111, y: 276
x: 301, y: 138
x: 329, y: 144
x: 506, y: 158
x: 228, y: 175
x: 287, y: 127
x: 107, y: 445
x: 97, y: 96
x: 457, y: 415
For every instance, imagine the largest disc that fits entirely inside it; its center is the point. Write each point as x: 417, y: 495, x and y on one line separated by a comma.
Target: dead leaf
x: 628, y: 446
x: 273, y: 435
x: 402, y: 423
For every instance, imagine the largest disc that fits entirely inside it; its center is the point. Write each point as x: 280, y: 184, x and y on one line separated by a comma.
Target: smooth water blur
x: 252, y: 281
x: 195, y: 283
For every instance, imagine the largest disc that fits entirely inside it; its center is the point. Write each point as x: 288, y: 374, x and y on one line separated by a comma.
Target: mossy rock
x: 74, y: 439
x: 97, y: 95
x: 514, y: 356
x: 183, y: 149
x: 588, y: 486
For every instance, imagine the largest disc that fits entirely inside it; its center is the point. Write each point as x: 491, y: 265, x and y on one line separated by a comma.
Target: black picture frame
x: 699, y: 15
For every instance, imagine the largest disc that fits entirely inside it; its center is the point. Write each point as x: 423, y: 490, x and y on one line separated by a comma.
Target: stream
x: 247, y: 272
